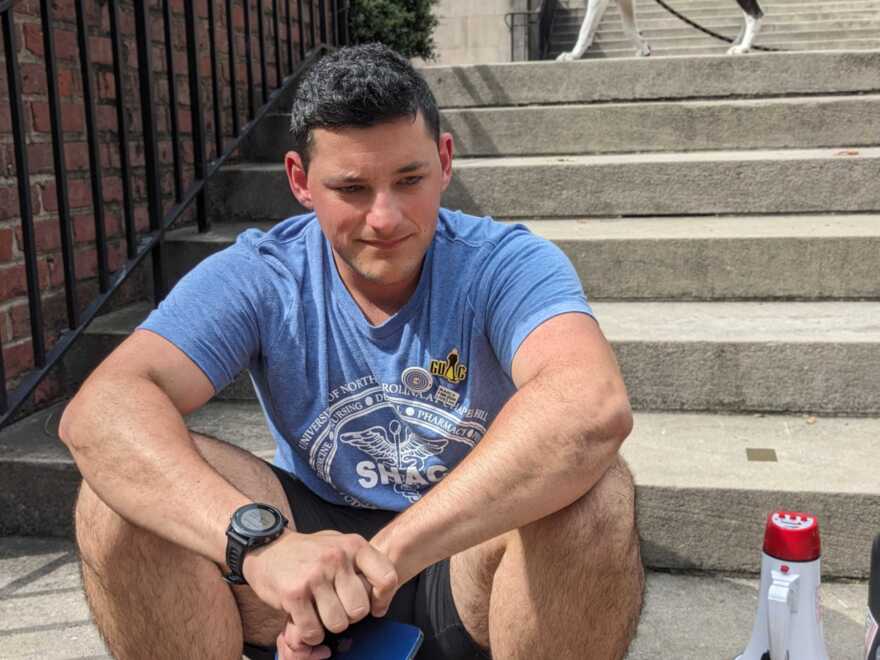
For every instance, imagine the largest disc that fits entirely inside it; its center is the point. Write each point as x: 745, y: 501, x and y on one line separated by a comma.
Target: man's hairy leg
x: 153, y: 599
x: 567, y: 586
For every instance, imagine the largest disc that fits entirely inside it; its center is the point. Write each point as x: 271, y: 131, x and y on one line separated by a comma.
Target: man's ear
x: 298, y: 179
x: 445, y: 147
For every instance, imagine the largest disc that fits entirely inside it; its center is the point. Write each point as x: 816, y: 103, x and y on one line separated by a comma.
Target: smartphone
x: 375, y: 639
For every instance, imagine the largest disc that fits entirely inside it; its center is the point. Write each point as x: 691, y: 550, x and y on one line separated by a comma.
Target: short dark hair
x: 359, y: 86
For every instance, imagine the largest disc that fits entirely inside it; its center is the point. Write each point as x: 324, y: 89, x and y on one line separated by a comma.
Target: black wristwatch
x: 251, y: 526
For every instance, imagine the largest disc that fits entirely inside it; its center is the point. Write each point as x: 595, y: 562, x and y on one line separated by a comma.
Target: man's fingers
x: 354, y: 594
x: 381, y: 574
x: 330, y: 608
x: 306, y: 623
x: 291, y: 649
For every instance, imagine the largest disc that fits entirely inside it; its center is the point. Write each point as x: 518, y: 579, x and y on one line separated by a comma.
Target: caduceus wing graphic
x: 416, y: 448
x: 374, y: 441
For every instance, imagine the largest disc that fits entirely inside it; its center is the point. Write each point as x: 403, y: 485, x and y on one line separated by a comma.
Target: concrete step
x: 701, y: 502
x: 820, y: 357
x: 694, y: 183
x: 793, y: 32
x: 792, y: 181
x: 44, y: 611
x: 684, y: 6
x: 789, y: 122
x: 722, y: 258
x: 793, y: 122
x: 726, y: 28
x: 660, y: 78
x: 731, y: 21
x: 686, y: 258
x: 781, y: 39
x: 716, y: 48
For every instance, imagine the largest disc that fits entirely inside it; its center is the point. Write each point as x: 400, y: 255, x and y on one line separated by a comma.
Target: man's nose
x: 384, y: 216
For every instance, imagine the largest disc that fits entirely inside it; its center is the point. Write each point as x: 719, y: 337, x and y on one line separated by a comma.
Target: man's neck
x: 377, y: 301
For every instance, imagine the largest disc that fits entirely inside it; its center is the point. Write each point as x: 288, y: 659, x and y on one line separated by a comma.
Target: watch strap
x: 235, y: 551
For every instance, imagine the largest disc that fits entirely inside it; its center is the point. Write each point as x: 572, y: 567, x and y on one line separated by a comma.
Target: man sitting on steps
x: 447, y: 416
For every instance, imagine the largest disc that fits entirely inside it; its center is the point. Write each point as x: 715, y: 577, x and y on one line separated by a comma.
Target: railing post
x: 13, y: 75
x: 302, y: 30
x: 198, y: 124
x: 249, y: 59
x: 233, y: 74
x: 60, y: 167
x: 122, y: 121
x: 94, y: 156
x: 261, y: 37
x: 215, y: 81
x: 172, y: 100
x: 154, y: 201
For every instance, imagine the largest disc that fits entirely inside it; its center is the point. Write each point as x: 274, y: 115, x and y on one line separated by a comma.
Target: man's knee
x: 604, y: 516
x: 100, y: 531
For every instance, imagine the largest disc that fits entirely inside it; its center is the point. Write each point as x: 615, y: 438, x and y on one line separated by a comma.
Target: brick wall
x: 15, y: 334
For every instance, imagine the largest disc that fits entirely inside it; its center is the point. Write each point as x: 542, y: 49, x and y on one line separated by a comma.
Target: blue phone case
x: 376, y: 639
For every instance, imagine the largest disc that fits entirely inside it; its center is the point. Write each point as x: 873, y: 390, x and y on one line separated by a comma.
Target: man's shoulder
x: 478, y: 232
x: 292, y: 233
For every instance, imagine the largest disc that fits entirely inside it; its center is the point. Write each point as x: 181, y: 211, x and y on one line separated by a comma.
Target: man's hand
x: 322, y: 580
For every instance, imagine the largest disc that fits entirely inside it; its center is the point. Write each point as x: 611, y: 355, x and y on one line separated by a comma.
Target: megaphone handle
x: 781, y: 597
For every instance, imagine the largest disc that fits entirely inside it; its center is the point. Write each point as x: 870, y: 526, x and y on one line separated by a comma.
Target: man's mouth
x: 385, y: 244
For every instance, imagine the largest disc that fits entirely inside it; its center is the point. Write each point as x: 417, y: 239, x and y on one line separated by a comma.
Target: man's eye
x: 411, y: 180
x: 349, y: 189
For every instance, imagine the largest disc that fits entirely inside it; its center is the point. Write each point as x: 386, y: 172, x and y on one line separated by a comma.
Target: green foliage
x: 406, y: 26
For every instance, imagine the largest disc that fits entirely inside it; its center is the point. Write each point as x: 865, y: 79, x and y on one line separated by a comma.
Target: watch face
x: 257, y: 520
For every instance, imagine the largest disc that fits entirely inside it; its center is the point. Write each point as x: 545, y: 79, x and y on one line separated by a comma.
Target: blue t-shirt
x: 370, y: 416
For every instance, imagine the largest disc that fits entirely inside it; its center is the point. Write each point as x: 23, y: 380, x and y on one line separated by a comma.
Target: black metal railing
x: 319, y: 15
x: 530, y: 31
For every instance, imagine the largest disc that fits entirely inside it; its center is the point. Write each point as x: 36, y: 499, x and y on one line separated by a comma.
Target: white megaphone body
x: 872, y: 629
x: 789, y: 621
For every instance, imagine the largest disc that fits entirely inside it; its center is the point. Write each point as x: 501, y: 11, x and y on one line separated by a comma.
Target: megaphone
x: 788, y: 625
x: 872, y: 636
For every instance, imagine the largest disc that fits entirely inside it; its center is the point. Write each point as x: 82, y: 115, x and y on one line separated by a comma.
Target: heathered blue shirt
x: 370, y: 416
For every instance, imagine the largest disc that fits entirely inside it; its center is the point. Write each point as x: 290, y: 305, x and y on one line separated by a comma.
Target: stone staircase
x: 724, y: 215
x: 790, y: 25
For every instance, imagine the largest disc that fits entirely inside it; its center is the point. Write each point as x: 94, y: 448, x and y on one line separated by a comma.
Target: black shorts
x: 425, y: 601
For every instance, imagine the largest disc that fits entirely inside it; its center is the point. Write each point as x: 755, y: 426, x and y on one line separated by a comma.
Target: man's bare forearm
x: 132, y: 447
x: 546, y: 449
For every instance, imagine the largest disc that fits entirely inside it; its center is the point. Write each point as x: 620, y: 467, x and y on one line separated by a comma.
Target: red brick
x: 112, y: 189
x: 13, y: 282
x: 47, y: 235
x: 106, y: 118
x: 76, y: 156
x: 78, y: 193
x: 20, y: 320
x: 40, y: 159
x: 64, y: 10
x: 18, y: 358
x: 7, y: 244
x: 105, y: 86
x: 110, y: 155
x: 52, y: 271
x: 65, y: 44
x: 5, y: 328
x: 101, y: 50
x: 34, y: 82
x: 84, y: 227
x: 8, y: 202
x: 87, y: 263
x: 7, y: 160
x: 72, y: 120
x: 141, y: 219
x: 33, y: 79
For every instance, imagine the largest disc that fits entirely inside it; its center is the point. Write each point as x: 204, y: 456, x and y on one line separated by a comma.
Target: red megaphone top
x: 792, y: 536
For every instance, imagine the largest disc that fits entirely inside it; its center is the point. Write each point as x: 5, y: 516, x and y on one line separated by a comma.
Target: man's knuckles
x: 333, y: 558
